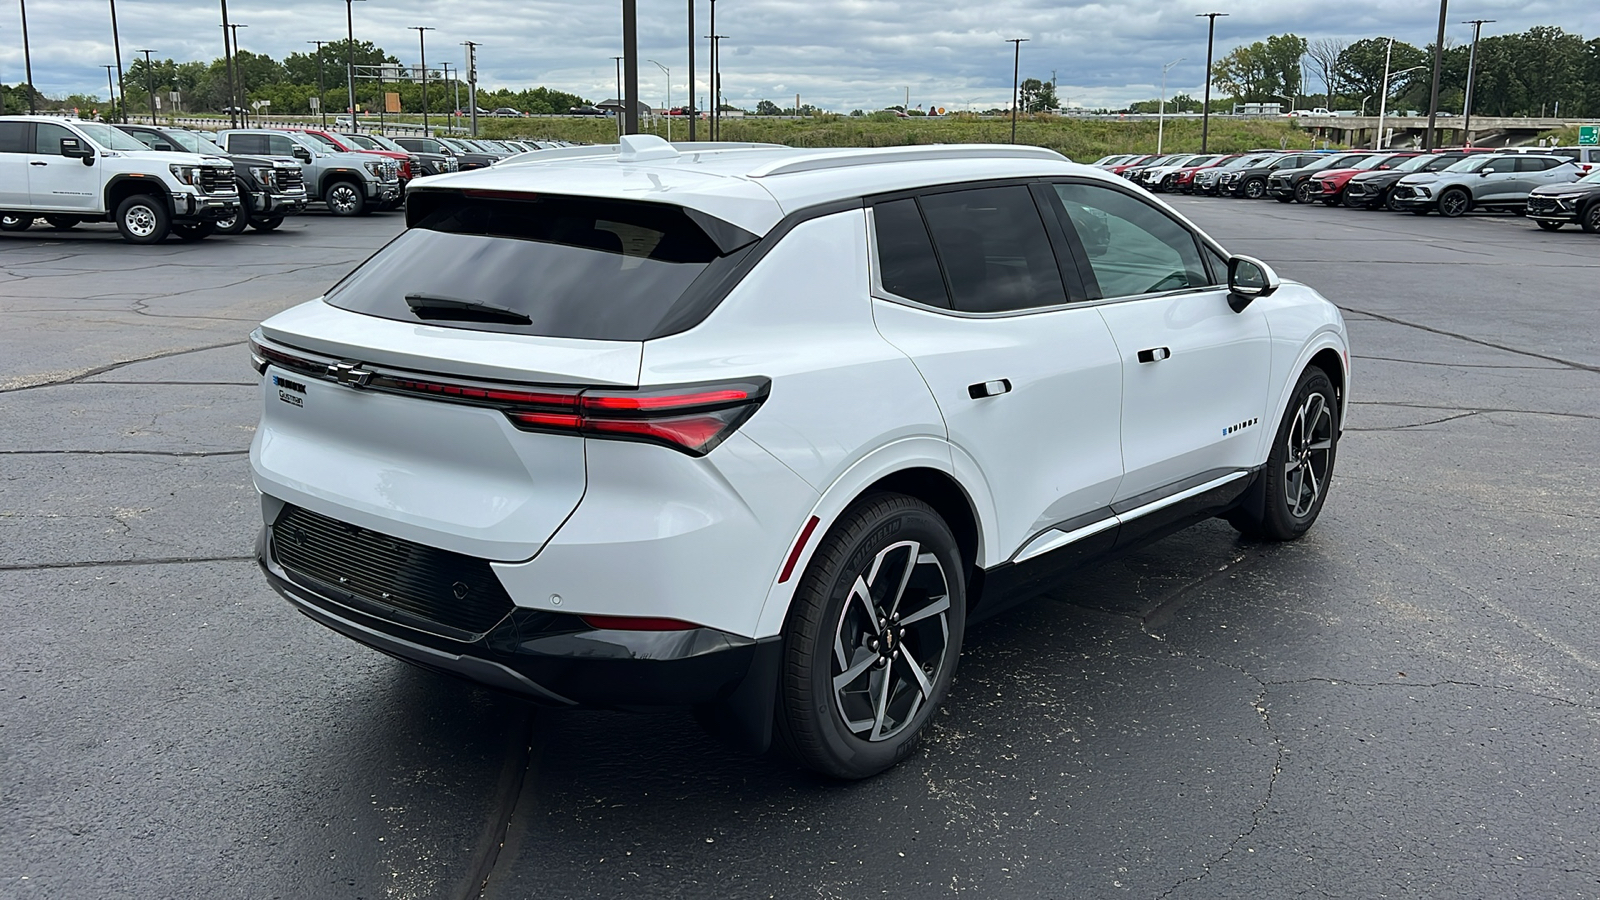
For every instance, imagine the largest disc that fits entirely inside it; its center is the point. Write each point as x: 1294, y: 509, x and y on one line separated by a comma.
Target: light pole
x: 350, y: 58
x: 1211, y: 43
x: 472, y: 81
x: 694, y: 114
x: 116, y: 42
x: 227, y: 57
x: 150, y: 83
x: 1016, y: 68
x: 110, y: 88
x: 1383, y: 97
x: 618, y: 61
x: 27, y: 54
x: 239, y: 72
x: 630, y: 65
x: 321, y: 108
x: 711, y: 124
x: 1472, y: 71
x: 457, y: 85
x: 422, y: 47
x: 1438, y: 65
x: 715, y: 122
x: 669, y: 95
x: 1161, y: 115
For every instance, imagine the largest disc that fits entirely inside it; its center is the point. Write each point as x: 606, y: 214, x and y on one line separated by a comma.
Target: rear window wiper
x: 434, y: 306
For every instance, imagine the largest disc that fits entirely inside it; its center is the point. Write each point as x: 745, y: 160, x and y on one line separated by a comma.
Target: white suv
x: 761, y: 430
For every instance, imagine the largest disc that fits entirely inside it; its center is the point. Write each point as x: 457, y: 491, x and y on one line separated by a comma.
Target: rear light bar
x: 693, y: 419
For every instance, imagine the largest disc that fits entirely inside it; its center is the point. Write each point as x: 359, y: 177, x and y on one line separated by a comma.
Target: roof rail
x: 871, y: 157
x: 680, y: 148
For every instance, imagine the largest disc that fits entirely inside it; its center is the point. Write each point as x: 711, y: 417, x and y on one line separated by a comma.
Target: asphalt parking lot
x: 1406, y: 703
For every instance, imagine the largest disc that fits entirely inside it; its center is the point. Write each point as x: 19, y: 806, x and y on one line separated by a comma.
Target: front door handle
x: 1154, y: 354
x: 989, y: 388
x: 36, y: 162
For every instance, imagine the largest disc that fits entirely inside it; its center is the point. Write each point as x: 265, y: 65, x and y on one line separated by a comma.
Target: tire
x: 1289, y: 199
x: 236, y: 223
x: 63, y: 223
x: 143, y: 219
x: 1591, y: 219
x: 838, y: 649
x: 1304, y: 450
x: 1454, y: 203
x: 1391, y: 202
x: 1305, y: 192
x: 1549, y: 226
x: 1420, y: 212
x: 199, y: 231
x: 266, y: 224
x: 346, y: 198
x: 1331, y: 201
x: 15, y: 223
x: 1350, y: 203
x: 1254, y: 189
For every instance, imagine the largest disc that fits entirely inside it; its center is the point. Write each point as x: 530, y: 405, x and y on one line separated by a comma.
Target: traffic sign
x: 1589, y: 135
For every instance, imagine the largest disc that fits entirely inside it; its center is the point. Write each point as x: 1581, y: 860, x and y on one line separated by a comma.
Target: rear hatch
x: 432, y: 394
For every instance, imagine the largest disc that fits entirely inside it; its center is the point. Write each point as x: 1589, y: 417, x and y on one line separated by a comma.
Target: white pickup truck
x: 69, y: 171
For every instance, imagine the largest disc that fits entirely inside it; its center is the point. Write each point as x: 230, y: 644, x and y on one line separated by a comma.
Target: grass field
x: 1081, y: 139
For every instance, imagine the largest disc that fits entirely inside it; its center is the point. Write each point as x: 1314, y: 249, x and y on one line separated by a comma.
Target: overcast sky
x: 838, y: 54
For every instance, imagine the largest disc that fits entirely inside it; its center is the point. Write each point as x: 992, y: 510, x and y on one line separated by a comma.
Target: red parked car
x: 410, y: 166
x: 1133, y: 162
x: 1184, y: 182
x: 1331, y: 184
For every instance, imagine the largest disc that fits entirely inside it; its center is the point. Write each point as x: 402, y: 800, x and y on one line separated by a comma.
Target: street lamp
x: 694, y: 114
x: 669, y: 95
x: 422, y: 47
x: 116, y: 41
x: 320, y: 107
x: 472, y: 81
x: 1472, y: 71
x: 110, y: 88
x: 227, y: 58
x: 150, y: 83
x: 1211, y: 43
x: 711, y: 124
x: 350, y: 58
x: 239, y: 73
x: 1016, y: 67
x: 618, y: 61
x: 1161, y: 114
x: 1383, y: 96
x: 27, y: 54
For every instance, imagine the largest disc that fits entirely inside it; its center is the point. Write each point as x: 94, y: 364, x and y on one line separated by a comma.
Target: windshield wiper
x: 434, y: 306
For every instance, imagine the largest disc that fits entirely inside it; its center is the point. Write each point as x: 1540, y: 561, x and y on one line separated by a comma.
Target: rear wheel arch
x: 942, y: 492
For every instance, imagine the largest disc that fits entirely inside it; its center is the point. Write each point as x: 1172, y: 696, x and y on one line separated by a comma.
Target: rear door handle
x: 36, y: 162
x: 989, y: 388
x: 1154, y: 354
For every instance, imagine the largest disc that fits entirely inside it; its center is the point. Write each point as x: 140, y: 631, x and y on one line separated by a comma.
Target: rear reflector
x: 636, y: 623
x: 799, y: 545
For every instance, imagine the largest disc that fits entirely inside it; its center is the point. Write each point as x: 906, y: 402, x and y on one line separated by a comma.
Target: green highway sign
x: 1589, y: 135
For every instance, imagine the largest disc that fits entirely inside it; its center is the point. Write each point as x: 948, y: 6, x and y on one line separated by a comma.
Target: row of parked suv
x: 154, y: 181
x: 1552, y: 186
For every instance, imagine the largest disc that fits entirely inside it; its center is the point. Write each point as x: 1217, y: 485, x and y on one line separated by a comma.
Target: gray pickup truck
x: 351, y: 184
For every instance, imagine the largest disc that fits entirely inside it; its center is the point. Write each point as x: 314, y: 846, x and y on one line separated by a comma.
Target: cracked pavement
x: 1405, y: 703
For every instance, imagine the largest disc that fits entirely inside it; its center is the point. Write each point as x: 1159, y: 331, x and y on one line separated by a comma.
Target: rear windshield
x: 564, y: 267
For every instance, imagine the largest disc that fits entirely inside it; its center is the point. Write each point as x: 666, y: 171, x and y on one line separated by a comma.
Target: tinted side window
x: 245, y: 143
x: 47, y: 138
x: 1435, y: 165
x: 13, y: 137
x: 145, y: 138
x: 278, y: 145
x: 994, y: 249
x: 1133, y: 248
x: 906, y: 263
x: 1527, y: 164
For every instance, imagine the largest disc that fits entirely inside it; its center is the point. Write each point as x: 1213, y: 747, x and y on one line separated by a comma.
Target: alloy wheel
x: 1454, y: 203
x: 343, y: 199
x: 890, y: 643
x: 1254, y: 189
x: 1309, y: 450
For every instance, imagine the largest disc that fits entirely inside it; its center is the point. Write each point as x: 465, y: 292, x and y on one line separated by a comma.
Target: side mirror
x: 1249, y: 278
x: 72, y: 148
x: 1485, y: 173
x: 302, y: 154
x: 165, y: 147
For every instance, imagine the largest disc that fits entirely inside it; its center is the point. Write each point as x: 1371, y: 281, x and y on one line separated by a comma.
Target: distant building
x: 614, y: 107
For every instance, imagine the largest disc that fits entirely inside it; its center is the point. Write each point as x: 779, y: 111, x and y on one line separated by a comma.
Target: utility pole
x: 110, y: 89
x: 321, y: 106
x: 1161, y: 115
x: 116, y: 42
x: 1472, y: 71
x: 1438, y: 64
x: 694, y: 114
x: 457, y: 85
x: 630, y: 77
x: 618, y: 61
x: 716, y: 85
x: 227, y: 60
x: 668, y: 73
x: 712, y: 123
x: 1211, y: 44
x: 150, y: 83
x: 27, y: 54
x: 1016, y: 68
x: 239, y: 74
x: 350, y: 59
x: 472, y: 81
x: 422, y: 47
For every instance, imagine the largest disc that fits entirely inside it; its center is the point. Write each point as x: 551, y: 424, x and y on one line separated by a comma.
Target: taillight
x: 691, y: 418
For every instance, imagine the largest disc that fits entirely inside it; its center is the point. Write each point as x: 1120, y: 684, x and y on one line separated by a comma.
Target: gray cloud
x: 838, y: 54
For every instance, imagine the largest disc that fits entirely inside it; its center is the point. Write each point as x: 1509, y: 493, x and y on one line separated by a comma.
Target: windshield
x: 194, y: 143
x: 1471, y: 164
x: 1373, y: 162
x: 386, y: 144
x: 325, y: 142
x: 565, y: 267
x: 1417, y: 163
x: 1335, y: 162
x: 108, y: 137
x: 456, y: 145
x: 1241, y: 162
x: 362, y: 141
x: 1591, y: 178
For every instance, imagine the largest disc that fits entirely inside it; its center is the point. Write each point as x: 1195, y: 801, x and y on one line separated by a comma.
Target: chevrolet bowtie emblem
x: 349, y: 373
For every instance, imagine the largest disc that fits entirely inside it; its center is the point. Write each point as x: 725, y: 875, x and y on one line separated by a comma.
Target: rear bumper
x: 557, y: 659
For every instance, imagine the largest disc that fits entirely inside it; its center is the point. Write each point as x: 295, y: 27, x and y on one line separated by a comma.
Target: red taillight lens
x: 693, y: 419
x: 636, y: 623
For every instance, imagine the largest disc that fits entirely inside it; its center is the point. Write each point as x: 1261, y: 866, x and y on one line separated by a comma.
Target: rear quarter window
x: 553, y: 266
